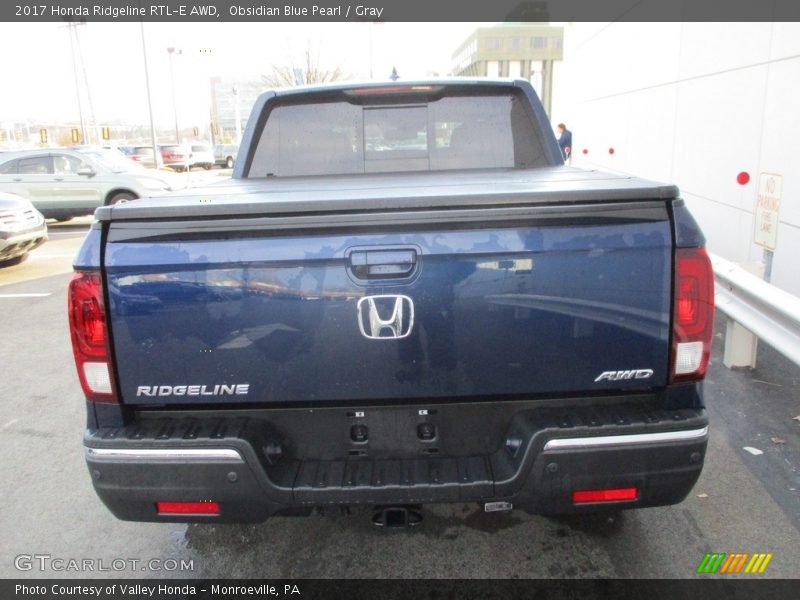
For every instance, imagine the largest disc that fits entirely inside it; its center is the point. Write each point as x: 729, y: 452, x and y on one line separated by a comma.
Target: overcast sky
x: 39, y: 82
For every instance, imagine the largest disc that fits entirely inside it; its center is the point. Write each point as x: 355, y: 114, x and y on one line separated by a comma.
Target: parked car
x: 122, y: 163
x: 201, y: 156
x: 176, y: 156
x: 115, y: 158
x: 145, y: 156
x: 22, y: 228
x: 63, y: 183
x: 225, y: 154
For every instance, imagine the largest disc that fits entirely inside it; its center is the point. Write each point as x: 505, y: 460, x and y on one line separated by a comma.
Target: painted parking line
x: 53, y: 255
x: 33, y: 295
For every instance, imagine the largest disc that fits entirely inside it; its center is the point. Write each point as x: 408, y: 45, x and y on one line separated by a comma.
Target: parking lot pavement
x: 742, y: 502
x: 759, y: 409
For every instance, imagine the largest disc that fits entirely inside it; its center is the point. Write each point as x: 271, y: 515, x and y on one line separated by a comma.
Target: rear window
x: 452, y: 132
x: 8, y: 168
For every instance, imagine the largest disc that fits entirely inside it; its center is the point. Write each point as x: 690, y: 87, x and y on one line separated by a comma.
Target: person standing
x: 565, y: 141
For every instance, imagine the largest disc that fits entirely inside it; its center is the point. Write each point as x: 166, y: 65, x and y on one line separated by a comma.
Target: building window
x: 538, y: 42
x: 516, y: 43
x: 494, y: 43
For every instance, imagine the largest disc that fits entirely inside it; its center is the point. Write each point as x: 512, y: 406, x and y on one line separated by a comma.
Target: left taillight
x: 89, y: 333
x: 693, y: 314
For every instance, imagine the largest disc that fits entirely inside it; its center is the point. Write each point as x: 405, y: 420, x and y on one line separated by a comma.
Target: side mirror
x: 87, y: 172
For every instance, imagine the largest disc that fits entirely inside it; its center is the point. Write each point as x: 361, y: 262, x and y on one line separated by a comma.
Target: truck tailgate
x: 474, y: 303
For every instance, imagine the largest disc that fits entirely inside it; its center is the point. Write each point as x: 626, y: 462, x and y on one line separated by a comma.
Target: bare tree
x: 284, y: 75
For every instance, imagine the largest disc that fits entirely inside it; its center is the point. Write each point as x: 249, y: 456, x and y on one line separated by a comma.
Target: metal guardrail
x: 769, y: 313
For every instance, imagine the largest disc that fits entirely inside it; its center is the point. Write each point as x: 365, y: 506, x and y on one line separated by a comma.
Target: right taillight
x: 89, y: 333
x: 693, y: 314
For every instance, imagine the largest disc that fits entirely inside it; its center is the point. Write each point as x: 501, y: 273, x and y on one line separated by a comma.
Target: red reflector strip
x: 188, y: 508
x: 610, y: 495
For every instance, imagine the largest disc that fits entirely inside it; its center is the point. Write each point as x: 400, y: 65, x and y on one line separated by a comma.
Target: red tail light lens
x: 607, y: 495
x: 90, y: 336
x: 206, y: 507
x: 693, y: 319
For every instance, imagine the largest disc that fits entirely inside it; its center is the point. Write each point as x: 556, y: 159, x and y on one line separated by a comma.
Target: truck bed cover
x: 382, y: 192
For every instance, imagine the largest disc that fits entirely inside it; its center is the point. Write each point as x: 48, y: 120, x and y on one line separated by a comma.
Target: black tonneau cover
x: 392, y: 191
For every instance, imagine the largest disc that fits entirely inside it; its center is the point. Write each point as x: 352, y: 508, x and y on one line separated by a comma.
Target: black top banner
x: 400, y: 10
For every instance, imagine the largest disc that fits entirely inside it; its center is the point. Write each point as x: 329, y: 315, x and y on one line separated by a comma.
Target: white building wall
x: 693, y: 104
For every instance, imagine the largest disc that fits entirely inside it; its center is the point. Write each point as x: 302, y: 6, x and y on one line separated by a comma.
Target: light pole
x: 171, y: 50
x: 72, y: 31
x: 237, y: 114
x: 213, y: 83
x: 156, y: 155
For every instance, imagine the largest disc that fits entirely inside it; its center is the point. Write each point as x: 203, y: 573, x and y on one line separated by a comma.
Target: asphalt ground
x: 742, y: 502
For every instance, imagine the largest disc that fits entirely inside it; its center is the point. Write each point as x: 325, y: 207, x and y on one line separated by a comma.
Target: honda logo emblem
x: 387, y: 317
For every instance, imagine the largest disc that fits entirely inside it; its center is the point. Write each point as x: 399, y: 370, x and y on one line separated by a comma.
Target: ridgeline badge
x: 234, y: 389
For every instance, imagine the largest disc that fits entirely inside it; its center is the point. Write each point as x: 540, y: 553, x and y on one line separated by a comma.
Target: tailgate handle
x: 383, y: 264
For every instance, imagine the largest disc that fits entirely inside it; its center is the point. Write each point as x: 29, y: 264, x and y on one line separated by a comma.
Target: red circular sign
x: 743, y: 178
x: 611, y: 151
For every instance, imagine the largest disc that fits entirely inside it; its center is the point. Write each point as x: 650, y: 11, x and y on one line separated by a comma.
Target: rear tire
x: 121, y: 197
x: 229, y: 162
x: 11, y: 262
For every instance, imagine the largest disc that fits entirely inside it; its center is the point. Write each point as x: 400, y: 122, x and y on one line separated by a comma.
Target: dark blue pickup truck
x: 402, y: 297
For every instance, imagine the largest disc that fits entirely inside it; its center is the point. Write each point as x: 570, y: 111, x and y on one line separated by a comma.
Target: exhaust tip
x: 397, y: 516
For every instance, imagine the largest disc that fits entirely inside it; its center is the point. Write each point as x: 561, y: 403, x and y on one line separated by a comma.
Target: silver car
x: 225, y: 154
x: 22, y: 229
x: 201, y: 156
x: 63, y: 183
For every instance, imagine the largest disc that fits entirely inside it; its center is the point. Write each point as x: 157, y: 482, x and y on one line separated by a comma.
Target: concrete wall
x: 693, y: 104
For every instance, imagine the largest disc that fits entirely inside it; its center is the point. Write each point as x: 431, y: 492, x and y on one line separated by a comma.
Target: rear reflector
x: 89, y: 334
x: 205, y: 507
x: 609, y: 495
x: 693, y: 317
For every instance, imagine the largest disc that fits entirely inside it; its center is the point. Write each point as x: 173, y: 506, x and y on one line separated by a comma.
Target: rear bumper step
x: 683, y: 435
x: 543, y: 459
